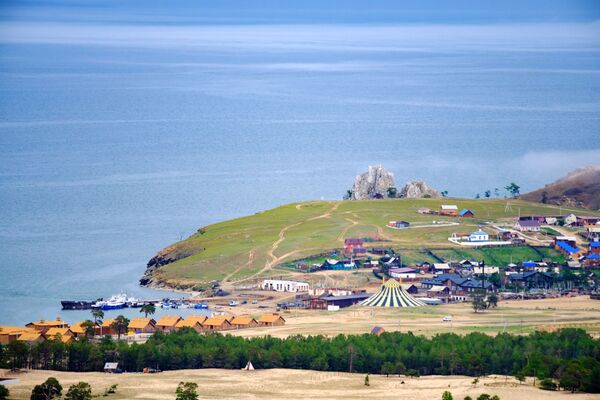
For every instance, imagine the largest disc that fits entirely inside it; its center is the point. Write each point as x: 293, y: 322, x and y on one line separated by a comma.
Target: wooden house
x: 106, y: 327
x: 528, y: 225
x: 449, y: 210
x: 271, y: 320
x: 79, y: 331
x: 167, y: 323
x: 190, y: 323
x: 218, y: 323
x: 43, y: 325
x: 241, y: 322
x: 63, y: 334
x: 142, y: 325
x: 465, y: 213
x: 9, y: 334
x: 31, y: 338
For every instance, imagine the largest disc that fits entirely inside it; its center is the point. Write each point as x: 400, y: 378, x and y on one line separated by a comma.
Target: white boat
x: 115, y: 302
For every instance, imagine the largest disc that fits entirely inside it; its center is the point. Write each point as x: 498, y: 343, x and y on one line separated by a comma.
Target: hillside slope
x: 581, y: 188
x: 249, y: 247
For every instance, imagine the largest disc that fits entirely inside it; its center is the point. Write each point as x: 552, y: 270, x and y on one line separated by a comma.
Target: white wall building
x: 284, y: 286
x: 479, y: 236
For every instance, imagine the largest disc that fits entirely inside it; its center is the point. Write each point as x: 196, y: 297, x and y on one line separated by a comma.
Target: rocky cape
x: 580, y: 188
x: 378, y: 183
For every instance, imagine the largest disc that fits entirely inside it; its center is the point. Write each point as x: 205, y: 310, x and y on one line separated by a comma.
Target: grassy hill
x: 250, y: 247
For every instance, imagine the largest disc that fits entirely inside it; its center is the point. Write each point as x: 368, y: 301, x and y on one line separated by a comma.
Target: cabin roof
x: 242, y: 320
x: 141, y: 323
x: 270, y: 318
x: 216, y: 321
x: 168, y: 320
x: 30, y: 336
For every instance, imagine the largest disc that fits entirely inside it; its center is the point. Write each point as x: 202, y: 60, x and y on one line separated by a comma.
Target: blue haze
x: 125, y: 126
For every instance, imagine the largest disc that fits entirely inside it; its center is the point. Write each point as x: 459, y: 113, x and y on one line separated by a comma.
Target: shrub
x: 79, y: 391
x: 4, y: 392
x: 548, y: 384
x: 447, y: 395
x: 187, y: 391
x: 47, y: 390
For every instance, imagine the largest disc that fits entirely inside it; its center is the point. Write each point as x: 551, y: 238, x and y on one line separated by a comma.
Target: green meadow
x: 249, y: 247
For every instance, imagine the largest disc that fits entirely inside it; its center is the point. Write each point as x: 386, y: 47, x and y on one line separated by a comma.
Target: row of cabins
x: 36, y: 332
x: 201, y: 323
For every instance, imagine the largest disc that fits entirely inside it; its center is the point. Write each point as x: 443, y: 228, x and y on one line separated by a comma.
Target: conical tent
x: 249, y: 366
x: 391, y: 294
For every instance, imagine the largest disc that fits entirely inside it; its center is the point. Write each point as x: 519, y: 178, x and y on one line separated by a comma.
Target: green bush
x: 47, y: 390
x: 4, y: 392
x: 79, y: 391
x: 548, y: 384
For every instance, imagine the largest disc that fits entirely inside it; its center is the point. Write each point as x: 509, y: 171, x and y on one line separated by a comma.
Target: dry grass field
x: 290, y: 384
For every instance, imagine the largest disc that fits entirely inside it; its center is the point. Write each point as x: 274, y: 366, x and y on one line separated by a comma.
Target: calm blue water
x: 120, y: 135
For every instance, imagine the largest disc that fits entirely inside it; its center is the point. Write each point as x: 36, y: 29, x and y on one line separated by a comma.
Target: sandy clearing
x: 291, y: 384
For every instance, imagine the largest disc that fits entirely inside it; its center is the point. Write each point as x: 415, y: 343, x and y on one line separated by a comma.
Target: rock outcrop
x: 580, y: 188
x: 373, y: 184
x: 418, y: 190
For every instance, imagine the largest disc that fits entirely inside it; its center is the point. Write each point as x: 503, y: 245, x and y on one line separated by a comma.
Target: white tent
x: 249, y: 366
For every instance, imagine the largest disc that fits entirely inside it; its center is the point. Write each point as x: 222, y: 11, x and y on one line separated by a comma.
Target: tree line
x: 541, y: 354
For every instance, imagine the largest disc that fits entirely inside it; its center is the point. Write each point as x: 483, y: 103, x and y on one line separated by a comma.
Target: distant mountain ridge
x: 580, y: 188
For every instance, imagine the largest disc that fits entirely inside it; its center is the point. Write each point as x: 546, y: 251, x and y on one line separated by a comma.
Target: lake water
x: 120, y: 137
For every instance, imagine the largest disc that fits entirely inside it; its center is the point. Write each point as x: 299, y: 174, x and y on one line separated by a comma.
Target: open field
x: 291, y: 384
x: 512, y: 316
x: 250, y: 247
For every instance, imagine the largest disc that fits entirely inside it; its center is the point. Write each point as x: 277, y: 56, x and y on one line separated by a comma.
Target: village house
x: 465, y: 213
x: 593, y: 232
x: 531, y: 280
x: 457, y: 284
x: 449, y: 210
x: 218, y: 323
x: 31, y: 338
x: 528, y: 225
x: 592, y: 260
x: 439, y: 291
x: 594, y: 248
x: 440, y: 268
x: 424, y: 210
x: 142, y: 325
x: 403, y: 273
x: 192, y: 323
x: 570, y: 240
x: 44, y: 325
x: 64, y: 334
x: 167, y: 323
x: 271, y: 320
x: 479, y: 236
x: 241, y: 322
x: 284, y: 286
x: 9, y: 334
x: 79, y: 331
x: 569, y: 251
x: 571, y: 220
x: 398, y: 224
x: 107, y: 328
x: 410, y: 288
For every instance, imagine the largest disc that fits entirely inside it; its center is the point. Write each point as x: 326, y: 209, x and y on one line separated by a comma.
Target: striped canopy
x: 392, y: 294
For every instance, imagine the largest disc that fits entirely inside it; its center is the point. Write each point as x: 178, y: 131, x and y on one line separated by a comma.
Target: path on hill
x: 342, y: 234
x: 281, y: 237
x: 251, y: 254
